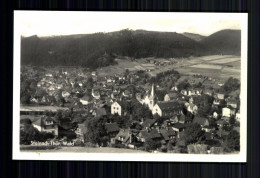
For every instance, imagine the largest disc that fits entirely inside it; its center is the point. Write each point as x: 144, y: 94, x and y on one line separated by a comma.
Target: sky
x: 51, y: 23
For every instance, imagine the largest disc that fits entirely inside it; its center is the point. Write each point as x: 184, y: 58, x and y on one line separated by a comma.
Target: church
x: 149, y: 98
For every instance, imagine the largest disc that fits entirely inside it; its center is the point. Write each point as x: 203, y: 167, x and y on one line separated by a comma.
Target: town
x: 168, y: 111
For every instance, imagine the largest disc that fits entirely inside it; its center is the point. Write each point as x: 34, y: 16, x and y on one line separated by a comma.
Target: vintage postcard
x: 130, y: 86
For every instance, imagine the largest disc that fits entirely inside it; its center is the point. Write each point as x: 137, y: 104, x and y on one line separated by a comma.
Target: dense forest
x: 100, y: 49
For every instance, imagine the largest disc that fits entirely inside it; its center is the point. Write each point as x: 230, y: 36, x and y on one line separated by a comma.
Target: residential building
x: 166, y: 109
x: 227, y: 112
x: 117, y: 107
x: 46, y: 124
x: 170, y: 96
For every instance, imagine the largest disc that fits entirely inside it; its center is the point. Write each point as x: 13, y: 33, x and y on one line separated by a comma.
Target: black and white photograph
x: 130, y: 86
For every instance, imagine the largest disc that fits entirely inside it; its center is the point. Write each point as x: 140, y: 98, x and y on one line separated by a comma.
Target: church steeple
x: 152, y: 91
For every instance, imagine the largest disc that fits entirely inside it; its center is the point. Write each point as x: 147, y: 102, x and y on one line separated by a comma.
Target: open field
x: 207, y: 66
x: 41, y: 108
x: 76, y: 149
x: 214, y: 57
x: 225, y: 60
x: 227, y: 66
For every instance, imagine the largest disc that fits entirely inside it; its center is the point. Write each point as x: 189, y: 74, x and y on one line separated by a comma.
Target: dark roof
x: 184, y: 118
x: 125, y: 133
x: 168, y: 105
x: 167, y: 133
x: 179, y: 125
x: 148, y: 122
x: 200, y: 120
x: 150, y: 134
x: 101, y: 112
x: 112, y: 127
x: 172, y: 95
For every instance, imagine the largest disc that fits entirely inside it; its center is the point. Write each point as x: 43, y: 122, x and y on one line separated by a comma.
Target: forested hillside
x: 226, y: 42
x: 100, y: 49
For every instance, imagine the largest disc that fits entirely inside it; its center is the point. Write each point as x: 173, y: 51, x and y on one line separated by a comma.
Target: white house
x: 166, y: 109
x: 116, y: 107
x: 85, y: 100
x: 215, y: 115
x: 65, y: 94
x: 227, y: 112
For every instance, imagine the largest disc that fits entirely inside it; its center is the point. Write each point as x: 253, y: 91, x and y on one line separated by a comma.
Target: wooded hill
x: 224, y: 42
x: 100, y: 49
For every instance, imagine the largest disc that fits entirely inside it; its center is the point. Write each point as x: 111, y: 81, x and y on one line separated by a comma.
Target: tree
x: 32, y: 134
x: 184, y: 85
x: 231, y: 84
x: 204, y: 103
x: 25, y: 99
x: 96, y: 133
x: 232, y: 141
x: 150, y: 145
x: 232, y: 120
x: 192, y: 134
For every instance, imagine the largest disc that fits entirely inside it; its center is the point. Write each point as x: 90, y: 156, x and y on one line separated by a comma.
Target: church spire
x: 152, y: 91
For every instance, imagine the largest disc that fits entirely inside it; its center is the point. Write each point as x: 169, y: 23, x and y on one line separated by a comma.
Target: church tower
x: 151, y: 98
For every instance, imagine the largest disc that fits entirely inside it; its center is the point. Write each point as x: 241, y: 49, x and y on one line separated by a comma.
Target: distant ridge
x: 224, y: 42
x: 194, y: 36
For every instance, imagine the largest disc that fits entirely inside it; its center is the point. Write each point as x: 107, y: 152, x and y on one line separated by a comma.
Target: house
x: 46, y: 124
x: 127, y: 94
x: 184, y: 92
x: 168, y: 134
x: 112, y: 129
x: 125, y: 137
x: 184, y: 119
x: 227, y: 112
x: 232, y: 103
x: 170, y: 96
x: 99, y: 112
x: 215, y: 115
x: 95, y: 94
x: 174, y: 88
x: 85, y: 100
x: 178, y: 127
x: 191, y: 92
x: 166, y: 109
x: 175, y: 118
x: 65, y: 94
x: 207, y: 92
x: 117, y: 107
x: 219, y: 96
x: 191, y: 107
x: 148, y: 123
x: 145, y: 135
x: 201, y: 121
x: 81, y: 130
x: 208, y: 129
x: 238, y: 116
x: 222, y: 123
x: 216, y: 102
